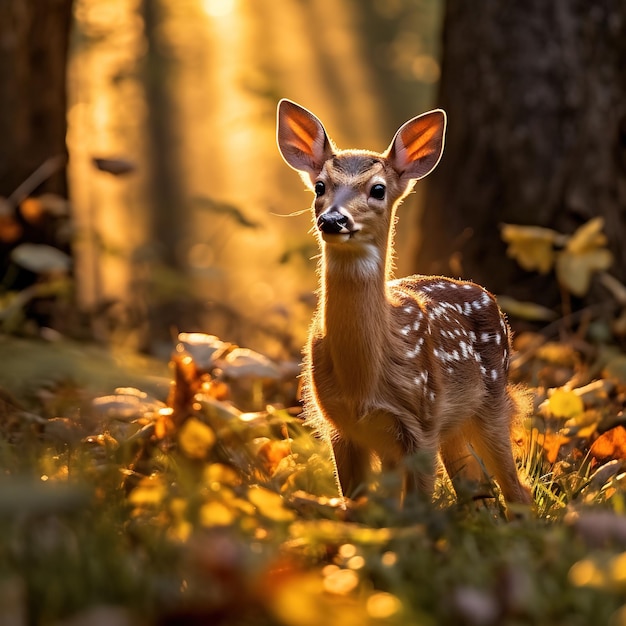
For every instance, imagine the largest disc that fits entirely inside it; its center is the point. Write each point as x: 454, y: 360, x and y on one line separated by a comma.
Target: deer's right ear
x: 302, y: 139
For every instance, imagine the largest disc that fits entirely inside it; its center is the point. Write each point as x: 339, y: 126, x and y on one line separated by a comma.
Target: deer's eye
x: 378, y: 192
x: 320, y: 188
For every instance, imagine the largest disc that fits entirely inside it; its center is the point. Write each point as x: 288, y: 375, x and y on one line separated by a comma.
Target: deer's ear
x: 302, y: 139
x: 418, y: 145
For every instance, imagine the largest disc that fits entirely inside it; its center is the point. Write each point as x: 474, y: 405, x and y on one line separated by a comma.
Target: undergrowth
x: 137, y: 510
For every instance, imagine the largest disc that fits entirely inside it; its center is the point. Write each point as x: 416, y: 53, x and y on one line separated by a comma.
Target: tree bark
x: 536, y: 97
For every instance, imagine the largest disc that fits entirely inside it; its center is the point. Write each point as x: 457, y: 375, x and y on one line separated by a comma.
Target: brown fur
x: 397, y: 367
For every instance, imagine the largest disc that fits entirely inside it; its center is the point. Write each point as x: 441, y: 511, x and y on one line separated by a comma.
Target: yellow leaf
x: 196, y: 439
x: 216, y: 514
x: 574, y: 269
x: 565, y: 404
x: 588, y: 236
x: 269, y: 504
x: 149, y: 492
x: 531, y: 246
x: 222, y: 474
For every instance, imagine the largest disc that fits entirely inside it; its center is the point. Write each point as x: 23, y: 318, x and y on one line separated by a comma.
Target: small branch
x: 39, y: 176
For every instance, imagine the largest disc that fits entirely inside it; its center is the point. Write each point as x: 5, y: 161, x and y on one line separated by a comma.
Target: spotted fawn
x: 396, y: 367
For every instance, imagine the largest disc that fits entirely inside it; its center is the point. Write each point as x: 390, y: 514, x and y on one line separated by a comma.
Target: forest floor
x: 195, y: 495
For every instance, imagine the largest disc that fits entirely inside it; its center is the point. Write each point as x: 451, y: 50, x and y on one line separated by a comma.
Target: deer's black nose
x: 332, y: 222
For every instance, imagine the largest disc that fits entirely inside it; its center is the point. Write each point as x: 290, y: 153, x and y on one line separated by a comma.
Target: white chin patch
x: 335, y: 237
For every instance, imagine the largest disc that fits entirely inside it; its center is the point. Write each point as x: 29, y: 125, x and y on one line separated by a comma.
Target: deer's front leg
x: 353, y: 465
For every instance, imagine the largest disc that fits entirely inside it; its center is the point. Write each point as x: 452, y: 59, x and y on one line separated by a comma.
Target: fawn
x: 396, y: 367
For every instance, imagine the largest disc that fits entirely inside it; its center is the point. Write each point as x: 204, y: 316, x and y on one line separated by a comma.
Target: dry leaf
x: 587, y: 236
x: 269, y: 504
x: 610, y: 445
x: 565, y: 404
x: 531, y: 246
x: 196, y: 439
x: 575, y: 269
x: 117, y: 167
x: 216, y: 514
x: 526, y: 310
x: 149, y: 492
x: 246, y: 363
x: 551, y: 443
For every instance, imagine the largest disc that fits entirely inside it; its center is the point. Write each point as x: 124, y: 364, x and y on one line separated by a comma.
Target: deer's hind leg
x: 490, y: 435
x: 462, y: 465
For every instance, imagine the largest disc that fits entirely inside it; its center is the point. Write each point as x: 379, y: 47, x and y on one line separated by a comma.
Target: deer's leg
x: 491, y: 438
x: 463, y: 468
x: 419, y: 472
x: 353, y: 464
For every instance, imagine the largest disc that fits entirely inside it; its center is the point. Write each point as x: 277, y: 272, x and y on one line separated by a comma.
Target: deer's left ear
x: 418, y: 145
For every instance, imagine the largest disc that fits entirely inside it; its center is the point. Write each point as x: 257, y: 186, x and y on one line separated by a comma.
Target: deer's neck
x: 355, y: 315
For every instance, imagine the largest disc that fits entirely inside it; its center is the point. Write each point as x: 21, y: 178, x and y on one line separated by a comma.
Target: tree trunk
x: 536, y: 97
x: 33, y: 54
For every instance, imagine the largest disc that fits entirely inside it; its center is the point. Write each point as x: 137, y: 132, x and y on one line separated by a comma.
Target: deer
x: 397, y: 367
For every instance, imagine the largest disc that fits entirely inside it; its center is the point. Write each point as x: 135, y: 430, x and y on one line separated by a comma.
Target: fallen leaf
x: 202, y: 348
x: 149, y: 492
x: 216, y: 514
x: 196, y: 439
x: 246, y: 363
x: 269, y: 504
x: 610, y: 445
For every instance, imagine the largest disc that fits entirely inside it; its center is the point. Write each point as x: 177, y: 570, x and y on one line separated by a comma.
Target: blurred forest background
x: 156, y: 120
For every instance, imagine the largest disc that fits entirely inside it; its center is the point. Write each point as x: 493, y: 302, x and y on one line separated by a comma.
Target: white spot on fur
x: 411, y: 354
x: 408, y: 309
x: 463, y: 347
x: 494, y: 375
x: 498, y: 339
x: 421, y: 379
x: 406, y: 330
x: 485, y: 337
